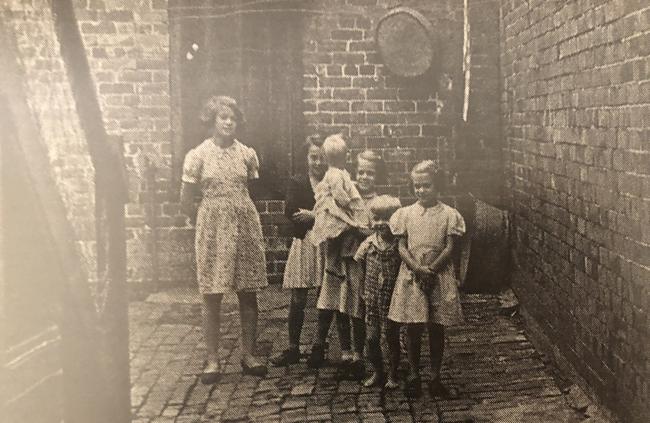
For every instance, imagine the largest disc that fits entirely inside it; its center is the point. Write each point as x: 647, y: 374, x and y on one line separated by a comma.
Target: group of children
x: 385, y: 266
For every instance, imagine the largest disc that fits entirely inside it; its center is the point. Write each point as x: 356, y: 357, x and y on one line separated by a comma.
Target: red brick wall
x: 578, y: 176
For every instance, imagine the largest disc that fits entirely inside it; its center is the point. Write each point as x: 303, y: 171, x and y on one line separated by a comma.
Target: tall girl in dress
x: 426, y: 291
x: 304, y: 267
x: 229, y: 244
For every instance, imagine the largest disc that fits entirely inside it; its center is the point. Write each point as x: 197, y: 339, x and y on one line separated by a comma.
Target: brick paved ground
x: 497, y: 371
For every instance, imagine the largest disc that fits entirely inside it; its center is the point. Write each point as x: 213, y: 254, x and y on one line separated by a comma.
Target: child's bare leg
x: 325, y: 318
x: 394, y: 349
x: 248, y: 319
x: 317, y: 356
x: 343, y: 330
x: 296, y: 316
x: 413, y: 348
x: 436, y: 348
x: 374, y: 355
x: 211, y: 313
x: 358, y: 337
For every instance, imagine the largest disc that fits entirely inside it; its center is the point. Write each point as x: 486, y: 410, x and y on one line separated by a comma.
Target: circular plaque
x: 404, y: 40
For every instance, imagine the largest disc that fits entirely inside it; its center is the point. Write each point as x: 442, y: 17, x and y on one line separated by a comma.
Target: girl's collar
x: 431, y: 207
x: 232, y: 144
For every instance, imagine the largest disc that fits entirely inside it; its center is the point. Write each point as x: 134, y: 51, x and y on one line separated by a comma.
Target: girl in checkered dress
x: 380, y: 257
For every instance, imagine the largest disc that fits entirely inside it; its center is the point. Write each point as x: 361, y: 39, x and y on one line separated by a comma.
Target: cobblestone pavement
x: 499, y: 375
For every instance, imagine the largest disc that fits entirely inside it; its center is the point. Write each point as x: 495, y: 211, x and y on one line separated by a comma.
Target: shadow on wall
x: 488, y: 268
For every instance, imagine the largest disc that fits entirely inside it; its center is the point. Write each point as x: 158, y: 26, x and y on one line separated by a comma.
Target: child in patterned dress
x: 426, y: 292
x: 380, y: 257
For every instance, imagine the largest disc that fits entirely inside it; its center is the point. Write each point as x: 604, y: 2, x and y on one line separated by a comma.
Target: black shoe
x: 317, y: 357
x: 413, y: 386
x: 437, y: 389
x: 354, y: 370
x: 210, y: 378
x: 258, y: 370
x: 286, y: 357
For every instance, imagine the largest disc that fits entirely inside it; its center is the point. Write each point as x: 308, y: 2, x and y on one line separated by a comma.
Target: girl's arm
x: 188, y: 206
x: 411, y: 262
x: 445, y: 255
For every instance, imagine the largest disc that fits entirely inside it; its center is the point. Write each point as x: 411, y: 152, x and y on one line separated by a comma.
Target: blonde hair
x: 335, y: 148
x: 384, y: 205
x: 426, y: 167
x: 212, y: 105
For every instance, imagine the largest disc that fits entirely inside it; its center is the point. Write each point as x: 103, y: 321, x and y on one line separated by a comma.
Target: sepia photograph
x: 324, y: 211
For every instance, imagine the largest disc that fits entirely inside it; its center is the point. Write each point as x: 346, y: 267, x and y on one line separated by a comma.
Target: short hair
x: 335, y: 147
x: 376, y: 159
x: 431, y: 168
x: 427, y: 167
x: 384, y: 205
x: 313, y: 140
x: 213, y: 104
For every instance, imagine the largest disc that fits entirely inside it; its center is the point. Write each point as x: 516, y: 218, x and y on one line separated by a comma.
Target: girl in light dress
x: 341, y: 290
x: 426, y: 291
x: 228, y: 241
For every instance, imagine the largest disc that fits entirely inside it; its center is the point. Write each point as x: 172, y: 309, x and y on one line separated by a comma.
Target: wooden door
x: 254, y: 56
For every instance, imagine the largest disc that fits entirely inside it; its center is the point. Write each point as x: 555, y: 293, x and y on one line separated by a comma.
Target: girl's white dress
x: 426, y: 230
x: 338, y: 203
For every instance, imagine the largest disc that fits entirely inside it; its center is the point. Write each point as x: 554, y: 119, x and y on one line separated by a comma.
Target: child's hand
x: 303, y: 216
x: 423, y: 272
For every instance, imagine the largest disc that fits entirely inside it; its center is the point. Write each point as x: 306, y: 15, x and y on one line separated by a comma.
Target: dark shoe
x: 286, y: 357
x: 210, y: 378
x: 317, y: 357
x: 258, y: 370
x: 437, y: 389
x: 356, y: 370
x: 413, y: 386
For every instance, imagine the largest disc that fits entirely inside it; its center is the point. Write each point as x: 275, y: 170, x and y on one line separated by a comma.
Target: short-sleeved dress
x: 229, y: 243
x: 426, y: 230
x: 305, y: 262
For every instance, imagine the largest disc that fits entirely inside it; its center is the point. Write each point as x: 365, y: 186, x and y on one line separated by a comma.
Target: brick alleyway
x: 489, y: 360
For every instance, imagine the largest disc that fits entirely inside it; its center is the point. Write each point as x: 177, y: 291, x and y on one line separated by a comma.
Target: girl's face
x: 425, y: 190
x: 225, y: 123
x: 366, y: 176
x: 316, y: 162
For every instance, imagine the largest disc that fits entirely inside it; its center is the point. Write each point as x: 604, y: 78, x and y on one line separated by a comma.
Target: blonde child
x: 338, y: 204
x: 426, y: 292
x: 380, y: 257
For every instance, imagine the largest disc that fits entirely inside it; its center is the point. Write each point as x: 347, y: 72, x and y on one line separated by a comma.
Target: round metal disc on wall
x: 405, y: 42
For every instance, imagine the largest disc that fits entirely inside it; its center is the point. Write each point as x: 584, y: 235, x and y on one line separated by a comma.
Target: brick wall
x: 127, y: 44
x: 345, y: 88
x: 578, y: 175
x: 50, y: 98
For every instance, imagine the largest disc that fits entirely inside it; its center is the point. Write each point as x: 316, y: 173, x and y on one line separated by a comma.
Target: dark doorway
x: 255, y: 56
